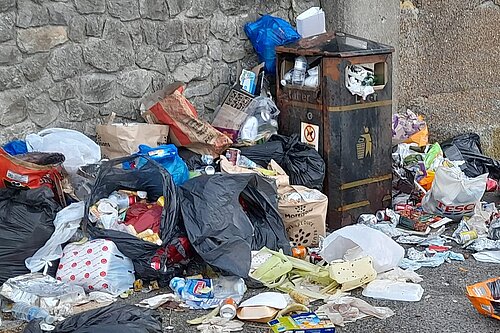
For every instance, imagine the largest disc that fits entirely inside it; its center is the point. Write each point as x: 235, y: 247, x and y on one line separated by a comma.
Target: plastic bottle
x: 30, y: 312
x: 229, y: 287
x: 299, y: 71
x: 177, y: 284
x: 245, y: 162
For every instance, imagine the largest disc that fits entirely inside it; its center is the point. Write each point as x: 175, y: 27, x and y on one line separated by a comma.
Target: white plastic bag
x: 96, y: 265
x: 453, y: 194
x: 77, y: 148
x: 357, y: 241
x: 66, y: 223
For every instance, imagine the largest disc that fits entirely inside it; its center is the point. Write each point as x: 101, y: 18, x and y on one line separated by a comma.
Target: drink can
x: 228, y: 309
x: 299, y: 252
x: 233, y: 155
x: 382, y: 216
x: 207, y: 159
x: 315, y: 258
x: 400, y: 207
x: 466, y: 236
x: 209, y: 170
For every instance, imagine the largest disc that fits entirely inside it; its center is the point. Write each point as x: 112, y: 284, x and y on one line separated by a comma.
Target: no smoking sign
x: 310, y: 134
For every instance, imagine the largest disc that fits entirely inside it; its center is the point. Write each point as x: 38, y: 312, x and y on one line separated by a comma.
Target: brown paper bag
x: 304, y: 219
x: 118, y: 140
x: 281, y: 177
x: 170, y: 107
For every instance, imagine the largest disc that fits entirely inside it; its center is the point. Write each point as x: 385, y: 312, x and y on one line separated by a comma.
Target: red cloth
x: 144, y: 216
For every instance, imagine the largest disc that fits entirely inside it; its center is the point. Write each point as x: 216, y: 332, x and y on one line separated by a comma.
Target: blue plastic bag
x: 15, y: 147
x: 168, y: 157
x: 265, y: 34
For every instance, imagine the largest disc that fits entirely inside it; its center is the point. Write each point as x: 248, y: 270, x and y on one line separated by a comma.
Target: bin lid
x: 336, y: 44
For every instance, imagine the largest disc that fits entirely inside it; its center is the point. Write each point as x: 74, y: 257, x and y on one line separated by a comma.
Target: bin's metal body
x: 355, y: 137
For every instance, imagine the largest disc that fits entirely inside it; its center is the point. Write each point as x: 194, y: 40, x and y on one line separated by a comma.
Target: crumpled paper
x: 220, y: 325
x: 402, y: 275
x: 417, y: 259
x: 347, y: 309
x: 156, y: 301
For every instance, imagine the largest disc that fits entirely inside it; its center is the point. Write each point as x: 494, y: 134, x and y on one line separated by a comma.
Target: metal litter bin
x: 353, y: 135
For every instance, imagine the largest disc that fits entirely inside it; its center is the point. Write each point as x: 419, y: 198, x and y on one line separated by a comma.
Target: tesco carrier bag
x: 453, y: 194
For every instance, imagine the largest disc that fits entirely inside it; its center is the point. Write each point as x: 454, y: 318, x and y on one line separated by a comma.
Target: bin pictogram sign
x: 310, y: 134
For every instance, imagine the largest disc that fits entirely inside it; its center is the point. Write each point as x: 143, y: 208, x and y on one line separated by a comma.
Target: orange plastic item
x: 485, y: 296
x: 426, y: 182
x: 421, y: 138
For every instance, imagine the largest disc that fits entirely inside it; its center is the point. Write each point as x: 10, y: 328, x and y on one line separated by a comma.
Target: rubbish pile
x: 211, y: 210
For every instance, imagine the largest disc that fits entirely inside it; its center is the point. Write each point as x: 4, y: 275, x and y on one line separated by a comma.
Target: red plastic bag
x: 32, y: 170
x: 171, y: 108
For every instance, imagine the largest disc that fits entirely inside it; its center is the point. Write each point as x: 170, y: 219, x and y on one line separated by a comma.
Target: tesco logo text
x: 459, y: 209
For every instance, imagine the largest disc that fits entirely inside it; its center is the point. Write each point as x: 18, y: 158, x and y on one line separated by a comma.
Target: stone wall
x: 70, y: 63
x: 450, y: 66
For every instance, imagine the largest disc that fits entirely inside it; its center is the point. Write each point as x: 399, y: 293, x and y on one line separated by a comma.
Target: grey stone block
x: 235, y: 7
x: 5, y: 5
x: 90, y: 6
x: 221, y: 73
x: 135, y: 32
x: 150, y: 30
x: 198, y: 30
x: 134, y: 83
x: 198, y: 88
x: 42, y: 111
x: 41, y: 39
x: 65, y: 62
x: 233, y: 50
x: 60, y: 13
x: 112, y: 53
x: 171, y: 35
x: 175, y: 6
x: 30, y: 14
x: 123, y: 107
x: 149, y: 57
x: 76, y: 29
x: 97, y: 88
x: 215, y: 49
x: 94, y: 25
x: 34, y: 66
x: 35, y: 88
x: 160, y: 81
x: 222, y: 27
x: 195, y: 52
x: 7, y: 21
x: 196, y: 70
x: 173, y: 60
x: 10, y: 55
x: 10, y: 77
x: 17, y: 131
x: 62, y: 91
x: 13, y: 108
x: 201, y: 8
x: 77, y: 110
x: 125, y: 10
x: 153, y: 9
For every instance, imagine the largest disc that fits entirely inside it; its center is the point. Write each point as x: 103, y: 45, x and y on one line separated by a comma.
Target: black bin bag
x: 228, y: 216
x: 156, y: 181
x: 303, y: 164
x: 26, y: 223
x: 115, y: 318
x: 467, y: 147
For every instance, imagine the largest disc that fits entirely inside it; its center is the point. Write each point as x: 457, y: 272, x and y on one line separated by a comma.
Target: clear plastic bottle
x: 299, y: 71
x: 28, y: 312
x: 229, y: 287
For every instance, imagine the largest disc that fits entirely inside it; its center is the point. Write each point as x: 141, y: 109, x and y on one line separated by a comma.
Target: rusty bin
x: 351, y: 134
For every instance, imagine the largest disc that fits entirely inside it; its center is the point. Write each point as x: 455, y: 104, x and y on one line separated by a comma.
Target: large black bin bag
x: 228, y: 216
x: 26, y: 223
